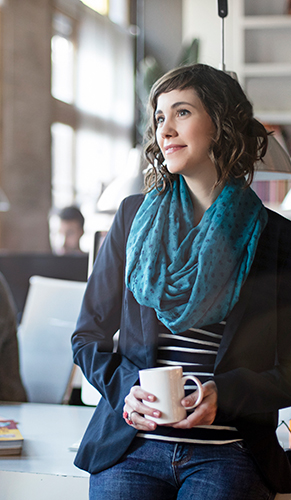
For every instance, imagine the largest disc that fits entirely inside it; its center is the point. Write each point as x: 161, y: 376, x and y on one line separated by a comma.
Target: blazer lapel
x: 234, y: 319
x: 149, y: 325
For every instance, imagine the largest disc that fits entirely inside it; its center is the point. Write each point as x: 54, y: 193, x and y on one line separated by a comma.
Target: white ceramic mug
x: 167, y: 384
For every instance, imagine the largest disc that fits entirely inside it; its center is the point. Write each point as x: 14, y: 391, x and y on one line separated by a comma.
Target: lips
x: 173, y: 148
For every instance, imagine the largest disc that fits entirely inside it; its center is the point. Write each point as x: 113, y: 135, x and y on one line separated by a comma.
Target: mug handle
x: 199, y: 387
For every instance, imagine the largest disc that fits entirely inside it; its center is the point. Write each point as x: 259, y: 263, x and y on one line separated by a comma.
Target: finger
x: 134, y: 419
x: 142, y: 409
x: 132, y: 403
x: 209, y: 388
x: 191, y: 399
x: 203, y: 417
x: 141, y: 423
x: 137, y: 392
x: 204, y: 414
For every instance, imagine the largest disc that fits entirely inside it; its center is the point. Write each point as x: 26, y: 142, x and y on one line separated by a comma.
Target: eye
x: 183, y: 112
x: 159, y: 119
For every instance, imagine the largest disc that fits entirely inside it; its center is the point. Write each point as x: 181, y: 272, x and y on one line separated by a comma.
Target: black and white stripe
x: 195, y: 350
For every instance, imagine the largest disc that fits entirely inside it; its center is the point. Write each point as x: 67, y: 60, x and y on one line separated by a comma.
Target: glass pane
x: 105, y: 72
x: 62, y: 164
x: 100, y: 6
x: 118, y: 11
x: 95, y: 73
x: 123, y: 111
x: 62, y: 25
x: 92, y: 164
x: 62, y: 56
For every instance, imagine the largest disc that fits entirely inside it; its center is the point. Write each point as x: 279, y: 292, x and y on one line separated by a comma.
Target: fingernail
x: 152, y: 425
x: 151, y: 398
x: 156, y: 413
x: 186, y: 402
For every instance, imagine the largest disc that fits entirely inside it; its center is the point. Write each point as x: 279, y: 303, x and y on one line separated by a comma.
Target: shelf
x: 264, y: 7
x: 268, y: 69
x: 262, y: 42
x: 269, y: 93
x: 262, y: 22
x: 273, y: 117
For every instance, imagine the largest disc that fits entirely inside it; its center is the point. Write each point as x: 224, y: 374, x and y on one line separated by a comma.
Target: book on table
x: 11, y: 439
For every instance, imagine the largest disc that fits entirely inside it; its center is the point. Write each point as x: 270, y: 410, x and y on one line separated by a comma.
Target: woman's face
x: 184, y: 133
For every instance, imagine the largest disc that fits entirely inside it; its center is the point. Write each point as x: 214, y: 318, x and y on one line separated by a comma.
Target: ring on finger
x: 130, y: 416
x: 126, y: 418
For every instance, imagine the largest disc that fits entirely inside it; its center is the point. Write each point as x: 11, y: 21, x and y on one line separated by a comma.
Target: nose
x: 167, y: 129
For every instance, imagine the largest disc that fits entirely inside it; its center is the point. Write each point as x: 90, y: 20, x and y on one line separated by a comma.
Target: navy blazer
x: 253, y: 365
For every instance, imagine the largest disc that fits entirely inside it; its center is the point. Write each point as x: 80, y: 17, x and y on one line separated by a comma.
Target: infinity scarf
x: 192, y: 276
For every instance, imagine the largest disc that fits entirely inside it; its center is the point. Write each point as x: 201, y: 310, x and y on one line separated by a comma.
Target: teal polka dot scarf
x: 192, y: 276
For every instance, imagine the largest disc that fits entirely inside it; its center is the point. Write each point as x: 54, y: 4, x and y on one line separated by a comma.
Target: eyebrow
x: 176, y: 105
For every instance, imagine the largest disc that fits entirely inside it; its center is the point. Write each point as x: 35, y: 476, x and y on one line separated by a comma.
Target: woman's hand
x: 136, y: 410
x: 205, y: 413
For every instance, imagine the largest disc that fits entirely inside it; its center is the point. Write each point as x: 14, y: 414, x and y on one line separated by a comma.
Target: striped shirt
x: 195, y: 350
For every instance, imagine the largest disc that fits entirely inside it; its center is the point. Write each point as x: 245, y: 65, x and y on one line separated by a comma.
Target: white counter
x: 45, y: 469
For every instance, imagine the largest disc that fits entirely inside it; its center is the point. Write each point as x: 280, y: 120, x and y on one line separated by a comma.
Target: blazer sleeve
x: 245, y: 391
x: 111, y: 373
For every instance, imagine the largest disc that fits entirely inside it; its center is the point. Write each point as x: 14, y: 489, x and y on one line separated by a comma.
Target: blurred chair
x: 49, y: 318
x: 17, y: 268
x: 89, y: 395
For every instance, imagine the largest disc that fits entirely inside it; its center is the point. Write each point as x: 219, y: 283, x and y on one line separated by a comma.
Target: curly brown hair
x: 240, y: 140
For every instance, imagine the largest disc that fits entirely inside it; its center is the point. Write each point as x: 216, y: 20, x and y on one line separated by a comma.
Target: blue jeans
x: 158, y: 470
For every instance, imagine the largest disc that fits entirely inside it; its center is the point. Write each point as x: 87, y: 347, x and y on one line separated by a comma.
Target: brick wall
x: 25, y: 123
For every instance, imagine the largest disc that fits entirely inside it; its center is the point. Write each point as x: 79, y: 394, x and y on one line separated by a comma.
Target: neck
x: 203, y: 194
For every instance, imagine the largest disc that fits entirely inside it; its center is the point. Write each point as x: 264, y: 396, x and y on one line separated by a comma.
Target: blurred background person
x: 66, y: 230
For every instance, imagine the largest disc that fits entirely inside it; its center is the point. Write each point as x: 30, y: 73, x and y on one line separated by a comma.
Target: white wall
x: 201, y: 20
x: 163, y: 31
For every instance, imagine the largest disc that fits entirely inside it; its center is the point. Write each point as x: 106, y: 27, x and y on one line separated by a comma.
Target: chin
x: 172, y: 169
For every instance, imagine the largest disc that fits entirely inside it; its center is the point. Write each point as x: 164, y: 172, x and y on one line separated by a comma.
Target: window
x: 62, y: 55
x: 100, y: 6
x: 93, y: 88
x: 63, y: 171
x: 117, y: 10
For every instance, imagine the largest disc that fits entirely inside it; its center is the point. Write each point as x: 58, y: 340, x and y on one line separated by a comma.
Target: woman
x: 195, y: 273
